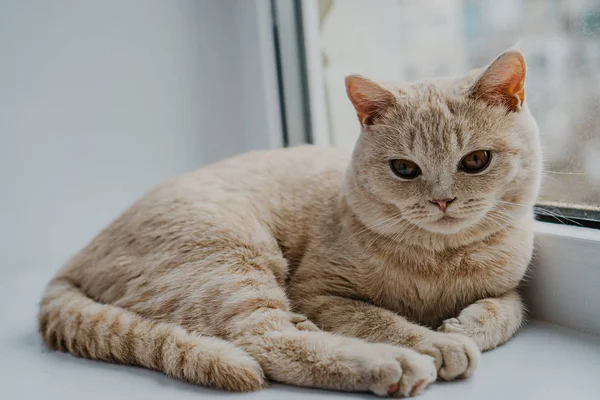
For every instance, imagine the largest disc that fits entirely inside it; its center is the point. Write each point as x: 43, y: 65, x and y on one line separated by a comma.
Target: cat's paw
x: 401, y: 372
x: 479, y: 321
x: 455, y: 355
x: 452, y: 325
x: 303, y: 323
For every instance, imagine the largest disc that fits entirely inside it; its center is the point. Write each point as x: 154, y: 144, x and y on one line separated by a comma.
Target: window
x: 409, y: 40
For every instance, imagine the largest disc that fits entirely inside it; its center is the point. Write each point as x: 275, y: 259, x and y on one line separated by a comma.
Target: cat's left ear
x: 369, y: 98
x: 503, y: 82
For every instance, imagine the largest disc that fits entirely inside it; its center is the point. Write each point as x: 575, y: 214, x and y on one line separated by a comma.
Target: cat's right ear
x: 369, y: 98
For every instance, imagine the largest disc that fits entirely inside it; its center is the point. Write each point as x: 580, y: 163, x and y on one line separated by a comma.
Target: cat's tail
x: 71, y: 321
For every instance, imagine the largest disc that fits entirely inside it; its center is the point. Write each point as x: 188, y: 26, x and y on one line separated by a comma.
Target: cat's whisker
x: 551, y: 179
x: 515, y: 204
x: 563, y: 173
x: 496, y: 223
x: 554, y: 214
x: 471, y: 209
x: 416, y: 213
x: 508, y: 219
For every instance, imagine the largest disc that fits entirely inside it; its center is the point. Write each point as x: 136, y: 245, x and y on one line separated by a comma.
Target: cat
x: 378, y: 271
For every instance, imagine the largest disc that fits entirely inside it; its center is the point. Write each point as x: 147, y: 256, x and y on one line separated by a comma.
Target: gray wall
x: 100, y: 100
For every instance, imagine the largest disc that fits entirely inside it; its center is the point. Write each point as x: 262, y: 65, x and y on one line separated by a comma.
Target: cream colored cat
x: 405, y: 257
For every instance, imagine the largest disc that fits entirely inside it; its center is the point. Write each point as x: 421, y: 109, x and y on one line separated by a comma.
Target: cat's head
x: 445, y: 155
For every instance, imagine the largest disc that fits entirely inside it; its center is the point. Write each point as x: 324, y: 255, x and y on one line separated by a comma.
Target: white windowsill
x: 564, y: 280
x: 567, y: 231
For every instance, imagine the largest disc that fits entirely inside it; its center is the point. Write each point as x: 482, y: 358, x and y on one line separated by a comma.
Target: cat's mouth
x: 446, y: 224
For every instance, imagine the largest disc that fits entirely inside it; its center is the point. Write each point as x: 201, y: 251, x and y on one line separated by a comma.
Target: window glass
x: 409, y: 40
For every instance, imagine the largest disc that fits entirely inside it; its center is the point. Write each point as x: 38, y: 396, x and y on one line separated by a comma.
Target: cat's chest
x: 435, y: 287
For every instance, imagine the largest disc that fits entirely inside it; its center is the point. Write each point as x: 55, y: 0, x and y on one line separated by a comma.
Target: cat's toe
x: 385, y: 378
x: 451, y: 325
x: 416, y: 372
x: 456, y: 356
x: 303, y: 323
x: 307, y: 326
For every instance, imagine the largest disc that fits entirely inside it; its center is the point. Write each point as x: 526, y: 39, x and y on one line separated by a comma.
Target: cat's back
x: 279, y: 180
x: 269, y: 197
x: 268, y: 187
x: 282, y: 190
x: 288, y: 167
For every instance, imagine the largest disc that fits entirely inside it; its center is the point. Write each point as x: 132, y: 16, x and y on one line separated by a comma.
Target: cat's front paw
x: 455, y: 355
x: 479, y: 322
x: 400, y: 372
x: 452, y: 325
x: 303, y: 323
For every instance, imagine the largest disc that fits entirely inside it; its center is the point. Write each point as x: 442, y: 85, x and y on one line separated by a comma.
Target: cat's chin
x: 447, y: 225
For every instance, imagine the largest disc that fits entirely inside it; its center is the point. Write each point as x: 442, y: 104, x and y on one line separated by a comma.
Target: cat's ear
x: 503, y: 82
x: 369, y: 98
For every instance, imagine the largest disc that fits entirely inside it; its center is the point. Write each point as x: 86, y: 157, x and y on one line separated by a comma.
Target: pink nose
x: 442, y: 203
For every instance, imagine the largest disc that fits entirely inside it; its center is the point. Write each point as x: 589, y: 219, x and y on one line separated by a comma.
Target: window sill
x: 564, y: 281
x: 544, y: 361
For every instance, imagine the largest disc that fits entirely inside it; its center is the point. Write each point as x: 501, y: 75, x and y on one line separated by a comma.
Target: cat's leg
x: 320, y: 359
x: 241, y: 300
x: 71, y: 321
x: 489, y: 322
x: 456, y: 356
x: 260, y: 323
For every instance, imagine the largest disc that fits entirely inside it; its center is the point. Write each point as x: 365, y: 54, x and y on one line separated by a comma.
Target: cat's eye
x: 476, y: 161
x: 405, y: 169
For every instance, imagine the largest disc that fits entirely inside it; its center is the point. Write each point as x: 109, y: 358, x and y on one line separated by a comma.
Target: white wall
x: 100, y: 100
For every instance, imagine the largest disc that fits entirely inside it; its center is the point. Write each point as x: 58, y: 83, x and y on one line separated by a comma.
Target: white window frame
x: 563, y: 286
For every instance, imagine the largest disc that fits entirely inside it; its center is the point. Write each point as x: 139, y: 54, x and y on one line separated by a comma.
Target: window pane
x: 409, y: 40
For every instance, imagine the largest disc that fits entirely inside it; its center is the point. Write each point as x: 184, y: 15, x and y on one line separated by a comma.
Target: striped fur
x: 70, y: 321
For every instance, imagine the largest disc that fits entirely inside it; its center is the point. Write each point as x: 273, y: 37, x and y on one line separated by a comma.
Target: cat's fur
x: 210, y: 276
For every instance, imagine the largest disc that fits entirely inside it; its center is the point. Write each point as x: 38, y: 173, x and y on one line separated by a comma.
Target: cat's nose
x: 442, y: 203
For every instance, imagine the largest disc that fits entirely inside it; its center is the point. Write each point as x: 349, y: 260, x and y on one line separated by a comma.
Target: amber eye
x: 405, y: 169
x: 476, y: 161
